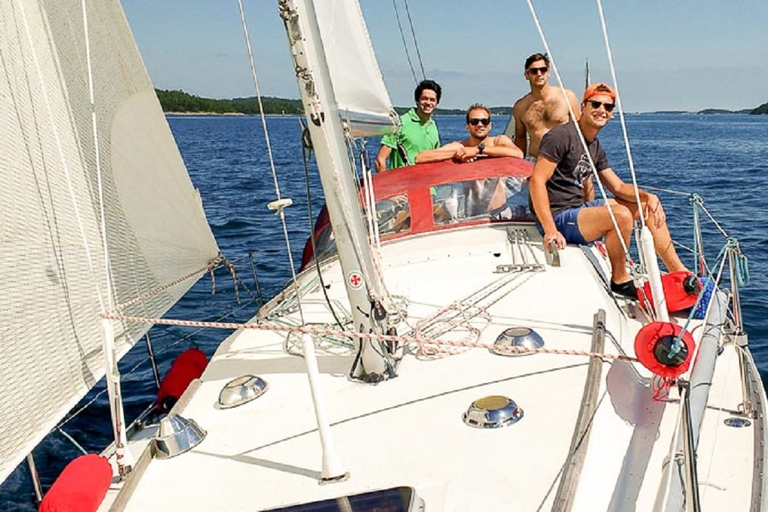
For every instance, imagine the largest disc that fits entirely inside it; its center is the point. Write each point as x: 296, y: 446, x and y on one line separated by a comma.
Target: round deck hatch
x: 492, y: 412
x: 519, y: 337
x: 737, y: 422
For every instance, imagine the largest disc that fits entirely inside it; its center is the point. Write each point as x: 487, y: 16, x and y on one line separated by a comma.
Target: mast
x: 337, y: 175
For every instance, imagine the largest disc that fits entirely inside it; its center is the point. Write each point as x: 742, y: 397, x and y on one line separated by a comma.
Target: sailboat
x: 426, y: 357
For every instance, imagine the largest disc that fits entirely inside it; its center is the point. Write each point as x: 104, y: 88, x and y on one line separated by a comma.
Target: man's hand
x: 556, y: 237
x: 466, y: 154
x: 654, y: 210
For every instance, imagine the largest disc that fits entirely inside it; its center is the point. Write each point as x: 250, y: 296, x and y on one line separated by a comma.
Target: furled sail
x: 360, y: 92
x: 52, y: 257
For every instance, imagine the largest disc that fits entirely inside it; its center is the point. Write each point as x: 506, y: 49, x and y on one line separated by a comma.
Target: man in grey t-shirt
x: 557, y: 188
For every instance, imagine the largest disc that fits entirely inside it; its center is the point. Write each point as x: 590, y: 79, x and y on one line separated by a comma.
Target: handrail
x: 572, y: 469
x: 692, y: 502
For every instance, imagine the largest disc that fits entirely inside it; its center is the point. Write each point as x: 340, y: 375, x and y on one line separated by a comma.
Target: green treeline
x: 762, y: 109
x: 180, y: 101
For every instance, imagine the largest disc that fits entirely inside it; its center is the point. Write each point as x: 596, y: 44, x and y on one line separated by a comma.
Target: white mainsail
x: 51, y: 251
x: 359, y: 88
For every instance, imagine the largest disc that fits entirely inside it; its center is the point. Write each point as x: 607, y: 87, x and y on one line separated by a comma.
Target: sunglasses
x: 538, y: 71
x: 485, y: 121
x: 597, y: 104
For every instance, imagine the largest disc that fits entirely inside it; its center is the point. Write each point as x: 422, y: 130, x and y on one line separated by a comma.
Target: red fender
x: 187, y: 366
x: 680, y: 289
x: 81, y: 487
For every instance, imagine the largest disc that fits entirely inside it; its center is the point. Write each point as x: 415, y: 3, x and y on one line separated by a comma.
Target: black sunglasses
x: 596, y: 105
x: 537, y: 71
x: 485, y: 121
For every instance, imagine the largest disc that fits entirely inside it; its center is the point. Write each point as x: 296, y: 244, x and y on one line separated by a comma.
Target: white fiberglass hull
x: 409, y: 432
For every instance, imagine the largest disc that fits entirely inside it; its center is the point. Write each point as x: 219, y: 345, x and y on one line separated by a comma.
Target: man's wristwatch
x: 480, y: 148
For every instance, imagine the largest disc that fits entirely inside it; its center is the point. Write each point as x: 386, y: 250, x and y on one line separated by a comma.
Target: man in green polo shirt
x: 418, y: 131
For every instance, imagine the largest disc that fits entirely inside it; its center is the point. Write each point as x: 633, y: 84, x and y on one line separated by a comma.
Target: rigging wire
x: 621, y: 113
x: 280, y: 209
x: 405, y: 44
x: 584, y: 146
x: 415, y: 41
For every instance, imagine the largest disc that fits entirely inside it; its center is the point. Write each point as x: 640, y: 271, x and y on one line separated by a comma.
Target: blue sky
x: 683, y: 54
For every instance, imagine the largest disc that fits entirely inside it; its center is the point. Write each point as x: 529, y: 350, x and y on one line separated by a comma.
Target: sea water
x: 723, y: 158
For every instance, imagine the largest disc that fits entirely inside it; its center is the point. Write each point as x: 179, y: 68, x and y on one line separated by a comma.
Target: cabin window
x: 393, y: 215
x: 491, y: 198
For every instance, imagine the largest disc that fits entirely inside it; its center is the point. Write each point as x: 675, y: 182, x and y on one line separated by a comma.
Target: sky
x: 668, y: 54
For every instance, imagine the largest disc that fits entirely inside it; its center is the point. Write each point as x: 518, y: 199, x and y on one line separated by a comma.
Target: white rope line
x: 280, y: 211
x: 355, y: 335
x: 578, y: 131
x: 621, y: 113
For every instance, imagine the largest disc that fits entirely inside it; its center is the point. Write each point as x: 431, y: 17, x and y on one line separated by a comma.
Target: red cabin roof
x: 417, y: 190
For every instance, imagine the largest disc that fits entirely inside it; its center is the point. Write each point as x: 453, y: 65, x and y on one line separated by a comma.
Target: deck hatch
x: 492, y: 412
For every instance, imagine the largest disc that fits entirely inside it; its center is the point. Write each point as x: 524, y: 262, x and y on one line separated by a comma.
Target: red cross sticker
x: 355, y: 280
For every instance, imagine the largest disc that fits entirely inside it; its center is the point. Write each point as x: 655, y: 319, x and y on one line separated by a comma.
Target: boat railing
x: 738, y: 278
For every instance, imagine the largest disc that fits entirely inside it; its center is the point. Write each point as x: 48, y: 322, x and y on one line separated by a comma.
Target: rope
x: 304, y: 150
x: 324, y: 331
x: 209, y: 268
x: 280, y: 211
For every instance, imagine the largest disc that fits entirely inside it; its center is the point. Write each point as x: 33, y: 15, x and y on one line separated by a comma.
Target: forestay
x: 51, y: 249
x: 362, y: 98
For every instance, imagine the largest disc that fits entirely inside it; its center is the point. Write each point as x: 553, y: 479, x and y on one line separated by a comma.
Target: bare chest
x: 546, y: 113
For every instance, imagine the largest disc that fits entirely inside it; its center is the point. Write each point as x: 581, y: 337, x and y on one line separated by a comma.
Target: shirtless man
x: 478, y: 145
x: 541, y: 109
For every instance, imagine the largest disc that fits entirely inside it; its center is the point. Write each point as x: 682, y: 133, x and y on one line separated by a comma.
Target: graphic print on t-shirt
x: 582, y: 171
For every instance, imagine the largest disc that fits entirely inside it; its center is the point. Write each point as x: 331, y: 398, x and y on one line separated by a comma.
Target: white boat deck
x: 409, y: 431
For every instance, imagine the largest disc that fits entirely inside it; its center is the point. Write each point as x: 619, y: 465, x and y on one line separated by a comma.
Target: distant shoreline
x: 180, y: 103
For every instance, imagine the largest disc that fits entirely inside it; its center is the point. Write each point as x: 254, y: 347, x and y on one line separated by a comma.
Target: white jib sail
x: 360, y: 92
x: 51, y: 250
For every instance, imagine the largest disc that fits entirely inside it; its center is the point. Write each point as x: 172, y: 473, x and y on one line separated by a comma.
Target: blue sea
x: 723, y: 158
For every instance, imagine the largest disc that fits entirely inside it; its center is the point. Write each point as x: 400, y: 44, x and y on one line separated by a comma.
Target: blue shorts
x: 565, y: 221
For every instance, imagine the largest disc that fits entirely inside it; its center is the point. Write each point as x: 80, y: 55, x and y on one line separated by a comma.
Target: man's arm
x: 381, y: 158
x: 503, y: 146
x: 521, y: 140
x: 537, y: 187
x: 435, y: 155
x: 574, y: 103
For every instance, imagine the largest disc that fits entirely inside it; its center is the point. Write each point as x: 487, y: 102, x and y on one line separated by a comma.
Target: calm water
x: 724, y: 158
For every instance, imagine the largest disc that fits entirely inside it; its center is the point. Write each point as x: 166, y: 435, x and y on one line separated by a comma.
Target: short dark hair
x: 477, y: 106
x: 533, y: 58
x: 428, y: 84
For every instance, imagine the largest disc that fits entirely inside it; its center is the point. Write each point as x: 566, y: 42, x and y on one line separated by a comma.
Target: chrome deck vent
x: 241, y: 391
x: 520, y: 337
x: 492, y: 412
x: 177, y: 435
